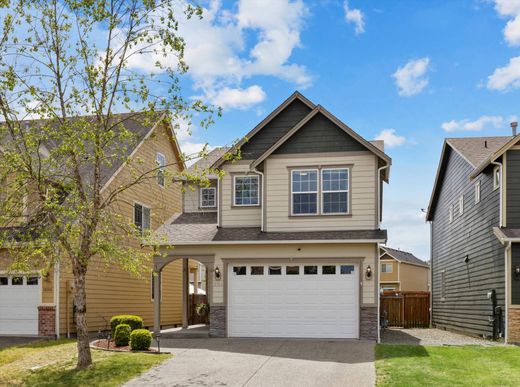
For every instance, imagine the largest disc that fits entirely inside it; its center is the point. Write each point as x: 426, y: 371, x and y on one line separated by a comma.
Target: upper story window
x: 496, y: 177
x: 387, y: 267
x: 246, y: 190
x: 461, y: 205
x: 161, y: 163
x: 304, y: 185
x: 334, y: 187
x: 477, y: 192
x: 142, y: 217
x: 208, y: 197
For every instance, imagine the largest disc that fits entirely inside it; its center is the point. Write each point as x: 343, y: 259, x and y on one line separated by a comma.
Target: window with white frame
x: 304, y: 192
x: 334, y: 188
x: 450, y: 215
x: 387, y: 268
x: 477, y: 192
x: 142, y: 217
x: 461, y: 205
x: 208, y: 197
x: 161, y: 163
x: 496, y: 177
x: 246, y: 190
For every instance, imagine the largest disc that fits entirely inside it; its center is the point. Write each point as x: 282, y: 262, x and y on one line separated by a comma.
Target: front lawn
x: 52, y: 363
x: 413, y: 365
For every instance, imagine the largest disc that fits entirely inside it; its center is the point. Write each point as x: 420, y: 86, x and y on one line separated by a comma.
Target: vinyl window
x: 477, y: 192
x: 208, y: 197
x: 335, y: 187
x: 496, y: 177
x: 142, y: 217
x: 161, y: 163
x: 246, y: 190
x: 387, y: 268
x: 304, y: 192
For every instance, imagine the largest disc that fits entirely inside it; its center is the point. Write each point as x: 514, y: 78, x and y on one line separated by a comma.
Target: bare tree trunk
x: 80, y: 305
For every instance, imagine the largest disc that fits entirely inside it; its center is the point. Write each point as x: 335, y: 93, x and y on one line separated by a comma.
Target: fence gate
x: 406, y: 309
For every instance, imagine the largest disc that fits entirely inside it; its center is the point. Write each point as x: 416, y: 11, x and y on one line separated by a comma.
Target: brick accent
x: 368, y: 323
x: 217, y: 321
x: 514, y: 325
x: 46, y: 320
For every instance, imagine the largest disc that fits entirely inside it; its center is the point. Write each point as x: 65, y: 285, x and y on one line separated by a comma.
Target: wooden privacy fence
x: 193, y: 317
x: 406, y: 309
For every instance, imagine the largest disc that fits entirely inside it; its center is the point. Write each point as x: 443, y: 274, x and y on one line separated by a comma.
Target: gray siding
x: 466, y: 307
x: 320, y: 135
x: 274, y: 130
x: 513, y: 188
x: 515, y: 281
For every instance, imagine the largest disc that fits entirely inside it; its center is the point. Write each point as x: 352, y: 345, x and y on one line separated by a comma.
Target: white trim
x: 322, y: 191
x: 477, y: 192
x: 507, y: 258
x: 317, y: 192
x: 450, y: 215
x: 152, y: 286
x: 461, y: 205
x: 258, y: 190
x: 496, y: 184
x: 214, y: 189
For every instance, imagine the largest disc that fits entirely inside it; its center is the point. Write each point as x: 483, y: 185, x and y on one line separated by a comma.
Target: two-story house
x: 402, y: 271
x: 290, y: 235
x: 474, y: 212
x: 39, y: 302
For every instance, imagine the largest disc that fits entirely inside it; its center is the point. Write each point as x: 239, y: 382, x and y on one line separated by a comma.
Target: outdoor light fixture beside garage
x: 517, y: 272
x: 217, y: 273
x: 368, y: 272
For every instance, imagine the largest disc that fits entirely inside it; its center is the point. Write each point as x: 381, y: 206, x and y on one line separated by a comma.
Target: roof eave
x: 268, y: 242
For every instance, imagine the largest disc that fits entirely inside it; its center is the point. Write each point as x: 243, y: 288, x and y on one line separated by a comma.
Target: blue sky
x: 412, y: 72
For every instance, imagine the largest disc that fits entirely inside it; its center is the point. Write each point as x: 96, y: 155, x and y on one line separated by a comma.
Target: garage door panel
x: 19, y: 306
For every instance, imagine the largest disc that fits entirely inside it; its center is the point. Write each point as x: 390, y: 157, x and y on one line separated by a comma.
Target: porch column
x: 185, y: 291
x: 157, y: 301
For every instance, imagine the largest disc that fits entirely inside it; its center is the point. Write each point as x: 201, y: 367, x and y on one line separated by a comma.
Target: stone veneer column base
x: 368, y: 323
x: 46, y: 320
x: 217, y: 321
x: 514, y: 325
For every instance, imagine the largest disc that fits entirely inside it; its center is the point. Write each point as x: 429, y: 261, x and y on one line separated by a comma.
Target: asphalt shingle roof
x: 477, y: 149
x: 404, y: 256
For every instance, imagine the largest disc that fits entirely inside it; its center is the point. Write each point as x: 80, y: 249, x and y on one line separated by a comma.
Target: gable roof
x: 476, y: 151
x: 205, y: 163
x: 404, y: 256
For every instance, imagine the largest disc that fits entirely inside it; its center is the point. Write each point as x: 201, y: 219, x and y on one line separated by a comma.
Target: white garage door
x: 293, y: 300
x: 19, y: 300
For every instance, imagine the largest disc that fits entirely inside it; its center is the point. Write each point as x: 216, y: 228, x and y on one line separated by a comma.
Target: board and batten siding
x: 515, y: 280
x: 191, y: 198
x: 513, y: 188
x: 466, y: 306
x: 362, y: 186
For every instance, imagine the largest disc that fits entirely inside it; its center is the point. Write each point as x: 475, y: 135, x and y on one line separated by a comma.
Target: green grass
x: 413, y: 365
x: 52, y: 363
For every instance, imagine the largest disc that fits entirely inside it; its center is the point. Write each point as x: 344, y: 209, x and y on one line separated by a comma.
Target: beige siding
x: 414, y: 278
x: 394, y: 275
x: 363, y: 193
x: 232, y: 216
x: 191, y: 198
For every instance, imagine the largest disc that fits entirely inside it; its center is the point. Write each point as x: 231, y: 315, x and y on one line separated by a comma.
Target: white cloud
x: 482, y: 123
x: 506, y: 77
x: 237, y: 98
x: 354, y: 16
x: 510, y: 9
x: 410, y: 79
x: 390, y: 138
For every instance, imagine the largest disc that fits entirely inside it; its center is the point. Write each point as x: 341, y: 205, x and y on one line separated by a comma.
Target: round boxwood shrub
x: 122, y: 335
x: 135, y: 322
x: 140, y: 340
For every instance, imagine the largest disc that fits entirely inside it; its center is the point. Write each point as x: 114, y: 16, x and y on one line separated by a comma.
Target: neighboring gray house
x: 290, y: 236
x: 475, y: 226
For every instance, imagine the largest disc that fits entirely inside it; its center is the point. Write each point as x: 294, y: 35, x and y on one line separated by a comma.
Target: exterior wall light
x: 218, y: 274
x: 368, y: 272
x: 517, y: 272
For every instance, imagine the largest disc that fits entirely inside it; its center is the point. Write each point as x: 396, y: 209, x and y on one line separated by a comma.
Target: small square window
x: 17, y: 281
x: 310, y: 270
x: 477, y: 192
x: 32, y: 280
x: 496, y: 177
x: 347, y: 269
x: 275, y: 270
x: 461, y: 205
x: 239, y: 270
x: 257, y: 270
x: 4, y: 281
x: 328, y: 269
x: 292, y: 270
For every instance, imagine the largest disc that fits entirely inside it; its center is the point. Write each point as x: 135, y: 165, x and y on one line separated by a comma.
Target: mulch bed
x: 107, y: 345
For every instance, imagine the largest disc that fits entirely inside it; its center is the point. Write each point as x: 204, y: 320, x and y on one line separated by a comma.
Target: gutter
x: 57, y: 298
x: 271, y: 242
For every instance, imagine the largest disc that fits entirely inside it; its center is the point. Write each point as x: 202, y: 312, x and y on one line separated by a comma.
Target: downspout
x: 500, y: 223
x: 378, y: 291
x: 261, y: 198
x: 57, y: 298
x: 379, y: 204
x: 506, y: 292
x: 431, y: 274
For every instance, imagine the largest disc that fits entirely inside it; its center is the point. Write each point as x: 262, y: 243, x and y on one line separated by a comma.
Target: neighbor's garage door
x: 293, y: 300
x: 19, y: 300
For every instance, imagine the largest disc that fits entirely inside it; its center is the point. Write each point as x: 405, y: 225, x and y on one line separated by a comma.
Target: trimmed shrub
x: 135, y: 322
x: 122, y: 335
x: 140, y: 340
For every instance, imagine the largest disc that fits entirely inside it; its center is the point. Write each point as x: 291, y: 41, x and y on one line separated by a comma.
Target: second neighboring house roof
x: 206, y: 162
x: 404, y: 256
x: 201, y: 228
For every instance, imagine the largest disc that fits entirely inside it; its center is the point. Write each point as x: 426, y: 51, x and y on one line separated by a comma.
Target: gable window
x: 334, y: 186
x: 461, y: 205
x: 161, y: 163
x: 208, y: 197
x: 387, y: 268
x: 246, y: 190
x: 142, y: 217
x: 304, y: 192
x: 496, y: 177
x: 477, y: 192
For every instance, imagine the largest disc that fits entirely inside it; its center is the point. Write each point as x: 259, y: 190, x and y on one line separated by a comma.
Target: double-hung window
x: 334, y: 188
x: 304, y: 184
x: 161, y: 163
x: 142, y: 217
x: 246, y: 190
x: 208, y: 197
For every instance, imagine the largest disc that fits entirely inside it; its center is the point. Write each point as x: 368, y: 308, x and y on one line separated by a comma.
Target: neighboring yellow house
x: 403, y: 271
x: 32, y: 304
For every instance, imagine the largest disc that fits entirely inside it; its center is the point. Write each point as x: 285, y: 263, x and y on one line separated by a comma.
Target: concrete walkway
x: 263, y: 362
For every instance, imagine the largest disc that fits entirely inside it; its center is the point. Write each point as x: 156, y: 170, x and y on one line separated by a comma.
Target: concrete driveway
x: 10, y: 341
x: 263, y: 362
